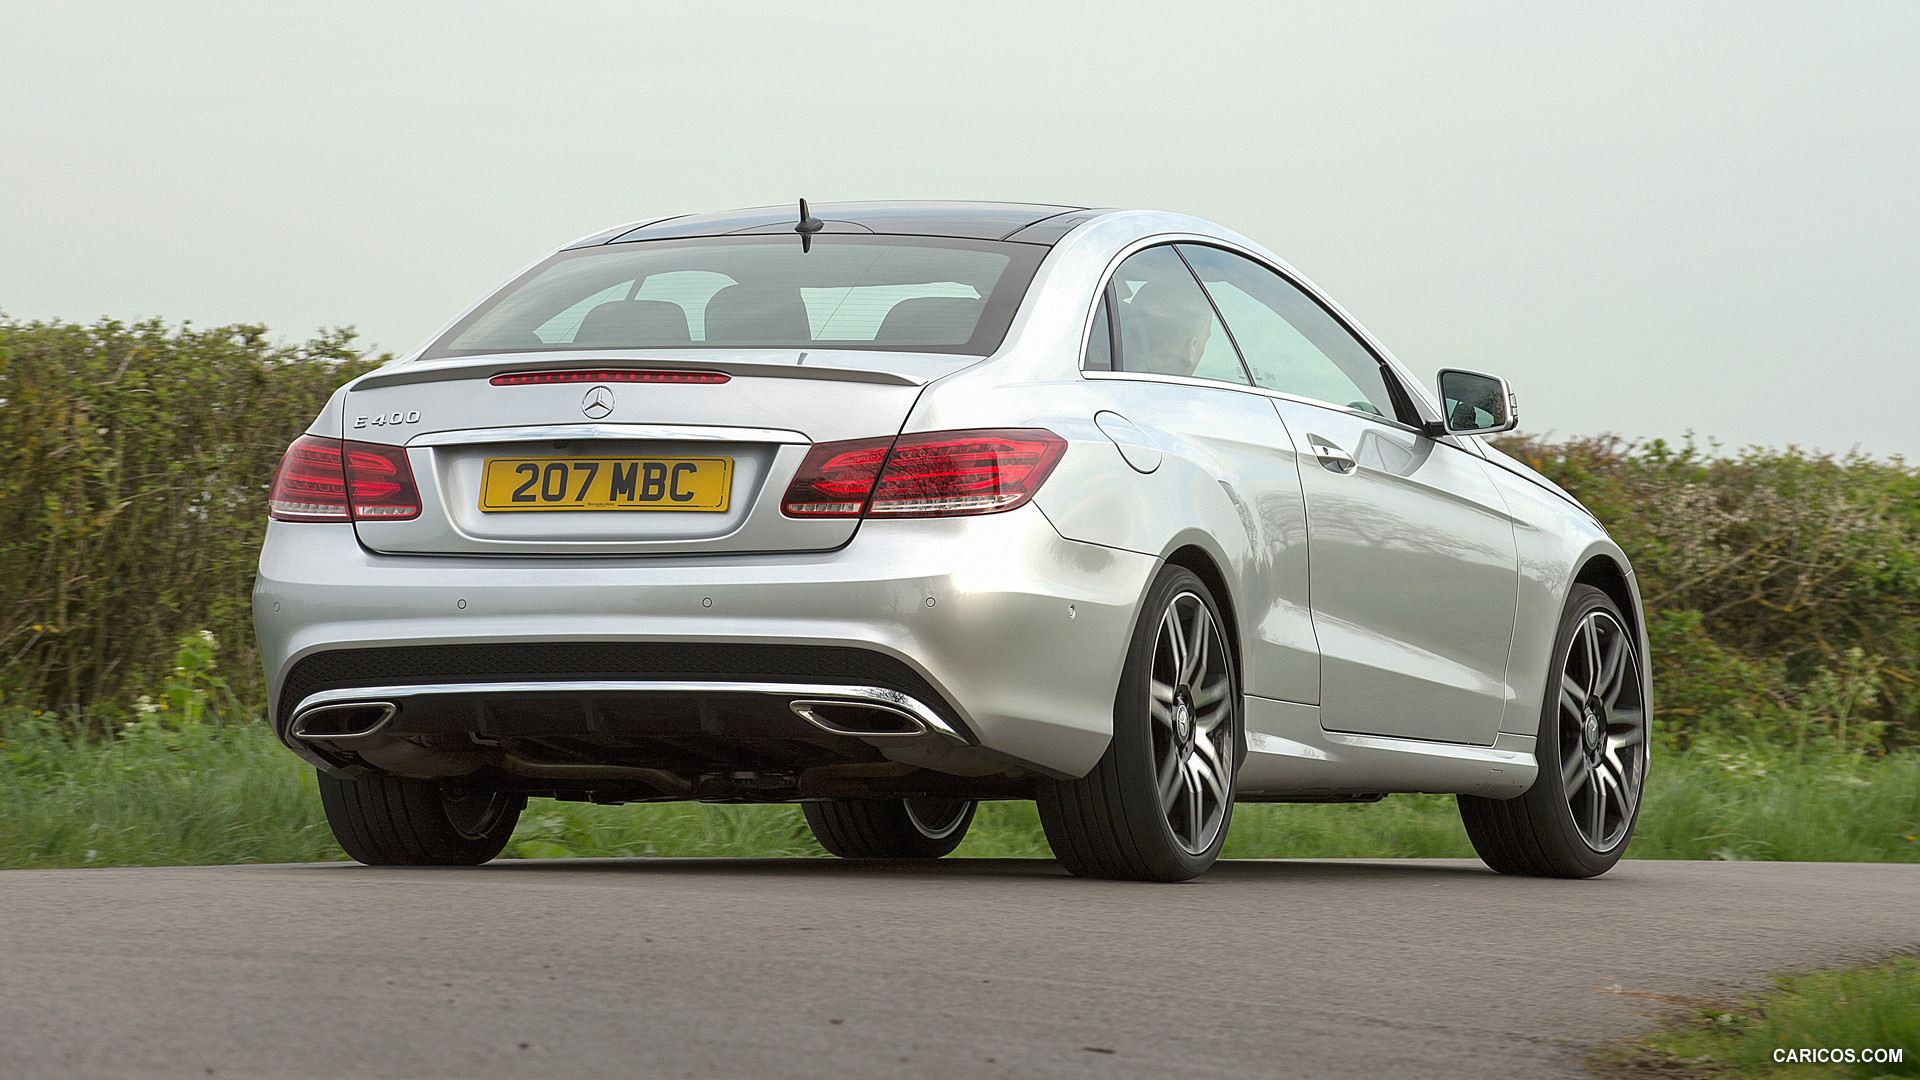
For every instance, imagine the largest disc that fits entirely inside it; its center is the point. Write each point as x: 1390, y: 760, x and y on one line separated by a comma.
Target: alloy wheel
x: 1603, y: 730
x: 1192, y: 711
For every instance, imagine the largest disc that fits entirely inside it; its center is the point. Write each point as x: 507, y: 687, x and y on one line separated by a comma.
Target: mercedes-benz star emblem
x: 598, y: 403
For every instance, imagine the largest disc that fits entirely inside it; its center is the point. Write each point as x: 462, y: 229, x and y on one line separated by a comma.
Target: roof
x: 1037, y: 223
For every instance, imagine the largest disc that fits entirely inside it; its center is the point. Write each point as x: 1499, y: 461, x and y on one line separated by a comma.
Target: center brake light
x: 537, y: 378
x: 323, y: 479
x: 925, y: 474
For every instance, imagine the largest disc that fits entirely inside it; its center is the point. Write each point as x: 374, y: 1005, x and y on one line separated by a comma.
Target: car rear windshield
x: 900, y: 293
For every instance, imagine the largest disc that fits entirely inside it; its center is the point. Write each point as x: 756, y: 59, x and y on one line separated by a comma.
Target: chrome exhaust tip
x: 342, y: 720
x: 861, y: 719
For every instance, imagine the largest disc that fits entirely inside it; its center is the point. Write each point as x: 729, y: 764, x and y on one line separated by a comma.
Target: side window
x: 1166, y: 325
x: 1099, y: 340
x: 1290, y: 342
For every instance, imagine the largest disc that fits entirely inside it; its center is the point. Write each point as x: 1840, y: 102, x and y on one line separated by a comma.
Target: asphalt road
x: 960, y: 969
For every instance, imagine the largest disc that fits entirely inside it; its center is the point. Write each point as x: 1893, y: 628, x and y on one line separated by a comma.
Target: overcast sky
x: 1653, y: 218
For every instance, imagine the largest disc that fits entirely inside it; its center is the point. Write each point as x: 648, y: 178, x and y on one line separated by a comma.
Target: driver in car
x: 1167, y: 333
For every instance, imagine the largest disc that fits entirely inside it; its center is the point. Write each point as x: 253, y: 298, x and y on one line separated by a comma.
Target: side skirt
x: 1291, y: 758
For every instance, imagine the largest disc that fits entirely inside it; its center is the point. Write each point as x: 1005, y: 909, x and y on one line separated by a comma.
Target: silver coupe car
x: 890, y: 508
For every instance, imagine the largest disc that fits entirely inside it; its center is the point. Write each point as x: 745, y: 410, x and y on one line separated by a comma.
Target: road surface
x: 800, y: 968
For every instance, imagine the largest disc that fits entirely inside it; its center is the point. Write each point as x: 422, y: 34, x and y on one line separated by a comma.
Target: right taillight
x: 925, y: 474
x: 323, y: 479
x: 381, y: 482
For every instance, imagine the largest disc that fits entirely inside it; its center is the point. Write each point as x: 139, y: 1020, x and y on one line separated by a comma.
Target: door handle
x: 1332, y: 458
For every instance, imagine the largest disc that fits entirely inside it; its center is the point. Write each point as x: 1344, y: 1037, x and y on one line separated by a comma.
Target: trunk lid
x: 609, y: 439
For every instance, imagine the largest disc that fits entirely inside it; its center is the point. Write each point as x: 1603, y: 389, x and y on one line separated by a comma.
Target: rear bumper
x: 1017, y: 632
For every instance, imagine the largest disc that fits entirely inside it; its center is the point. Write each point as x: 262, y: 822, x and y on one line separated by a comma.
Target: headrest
x: 930, y: 320
x: 757, y: 315
x: 634, y: 323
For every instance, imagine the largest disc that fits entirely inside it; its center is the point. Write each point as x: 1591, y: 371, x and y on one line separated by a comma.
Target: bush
x: 1783, y: 588
x: 134, y: 466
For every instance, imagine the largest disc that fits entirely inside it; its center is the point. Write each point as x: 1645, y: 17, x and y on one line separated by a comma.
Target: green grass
x: 157, y: 798
x: 213, y: 794
x: 1857, y: 1009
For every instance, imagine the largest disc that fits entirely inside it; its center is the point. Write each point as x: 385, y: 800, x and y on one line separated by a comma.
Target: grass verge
x: 227, y: 794
x: 1859, y: 1013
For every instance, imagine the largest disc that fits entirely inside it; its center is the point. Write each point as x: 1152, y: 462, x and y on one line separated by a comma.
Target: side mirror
x: 1476, y: 404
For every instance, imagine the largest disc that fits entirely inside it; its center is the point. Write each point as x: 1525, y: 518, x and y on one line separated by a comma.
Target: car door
x: 1413, y: 575
x: 1170, y: 369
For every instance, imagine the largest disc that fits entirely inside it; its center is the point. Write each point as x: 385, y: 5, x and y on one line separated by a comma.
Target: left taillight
x: 323, y: 479
x: 311, y: 483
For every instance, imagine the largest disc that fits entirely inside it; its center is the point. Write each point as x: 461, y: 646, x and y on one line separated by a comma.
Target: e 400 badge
x: 385, y: 419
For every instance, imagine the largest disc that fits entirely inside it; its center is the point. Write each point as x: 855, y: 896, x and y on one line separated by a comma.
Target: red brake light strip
x: 536, y: 378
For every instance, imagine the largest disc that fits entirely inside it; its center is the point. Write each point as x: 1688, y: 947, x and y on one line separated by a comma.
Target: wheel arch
x: 1604, y: 566
x: 1603, y: 572
x: 1206, y: 567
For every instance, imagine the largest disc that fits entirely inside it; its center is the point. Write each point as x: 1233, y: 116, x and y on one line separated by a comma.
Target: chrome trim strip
x: 664, y: 432
x: 1262, y: 743
x: 1245, y: 388
x: 859, y: 695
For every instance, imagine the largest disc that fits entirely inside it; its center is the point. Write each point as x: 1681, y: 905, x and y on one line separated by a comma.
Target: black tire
x: 389, y: 821
x: 1535, y: 834
x: 921, y: 828
x: 1114, y: 822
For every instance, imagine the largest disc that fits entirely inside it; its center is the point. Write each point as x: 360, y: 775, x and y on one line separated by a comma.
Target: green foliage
x: 156, y: 795
x: 560, y: 830
x: 1783, y: 587
x: 172, y: 789
x: 134, y: 466
x: 1875, y: 1007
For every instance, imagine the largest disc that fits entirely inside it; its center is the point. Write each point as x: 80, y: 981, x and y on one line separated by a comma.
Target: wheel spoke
x: 1162, y: 692
x: 1612, y: 666
x: 1623, y: 795
x: 1611, y: 791
x: 1176, y: 645
x: 1169, y: 779
x: 1213, y: 717
x: 1573, y: 774
x: 1597, y: 803
x: 1197, y: 646
x: 1205, y: 746
x: 1196, y: 816
x: 1212, y: 692
x: 1590, y: 637
x: 1572, y: 700
x: 1619, y: 687
x: 1605, y: 773
x: 1632, y: 736
x: 1207, y: 771
x: 1161, y: 713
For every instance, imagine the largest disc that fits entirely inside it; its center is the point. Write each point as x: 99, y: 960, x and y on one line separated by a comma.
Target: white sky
x: 1651, y: 217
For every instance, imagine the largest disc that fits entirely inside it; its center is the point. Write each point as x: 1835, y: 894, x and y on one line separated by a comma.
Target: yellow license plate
x: 583, y: 483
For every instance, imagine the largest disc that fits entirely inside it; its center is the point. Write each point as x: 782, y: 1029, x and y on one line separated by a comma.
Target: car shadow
x: 1225, y: 871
